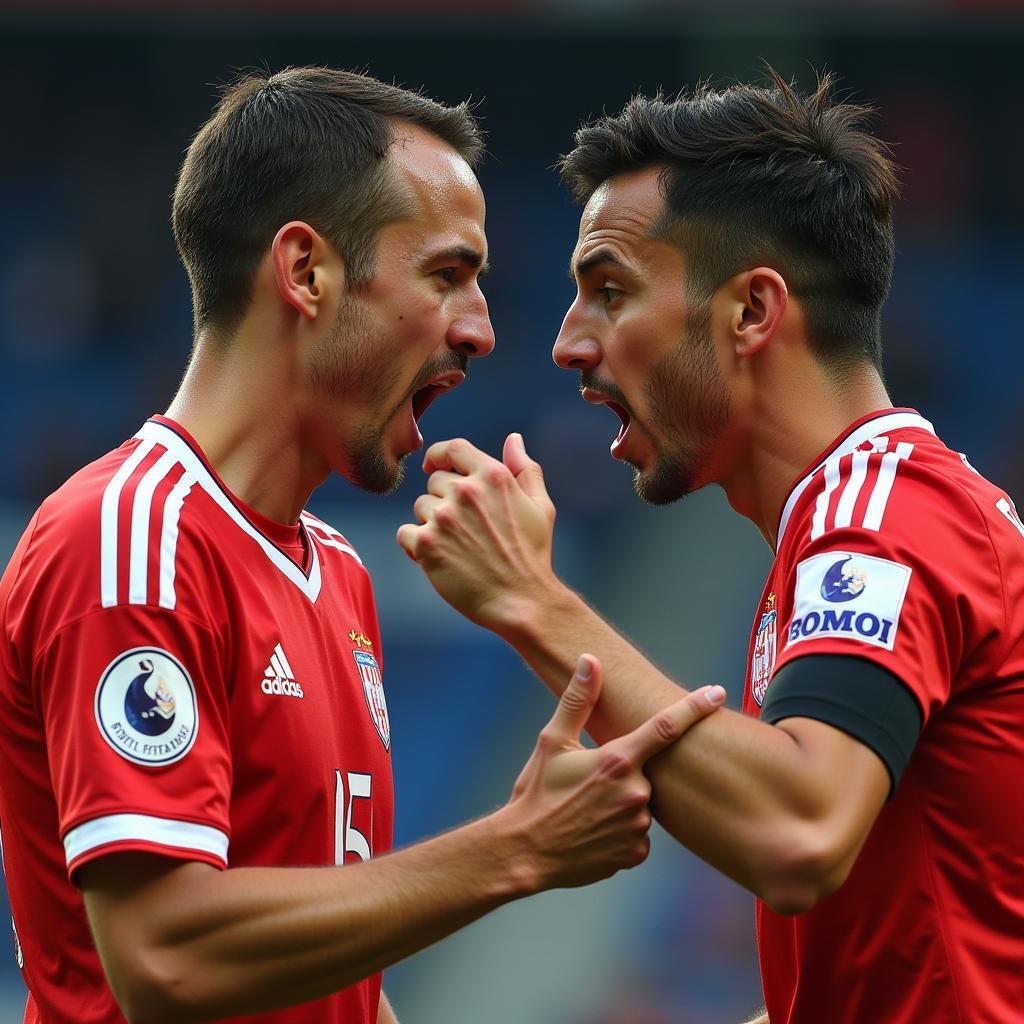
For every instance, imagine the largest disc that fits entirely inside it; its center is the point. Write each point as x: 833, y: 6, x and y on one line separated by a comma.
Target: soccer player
x: 190, y: 672
x: 734, y: 252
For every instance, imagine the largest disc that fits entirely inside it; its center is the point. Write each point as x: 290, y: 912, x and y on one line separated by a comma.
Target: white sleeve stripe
x: 883, y: 485
x: 878, y: 426
x: 108, y: 523
x: 848, y: 499
x: 145, y: 828
x: 821, y: 508
x: 169, y: 538
x: 142, y: 509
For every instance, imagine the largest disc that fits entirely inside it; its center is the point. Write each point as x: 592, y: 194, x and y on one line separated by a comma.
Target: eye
x: 608, y: 294
x: 446, y: 274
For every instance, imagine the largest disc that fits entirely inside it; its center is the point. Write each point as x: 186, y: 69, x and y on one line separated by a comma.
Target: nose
x: 576, y: 348
x: 471, y: 331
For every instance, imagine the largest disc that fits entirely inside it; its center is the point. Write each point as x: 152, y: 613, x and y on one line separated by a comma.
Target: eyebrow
x: 599, y: 258
x: 464, y: 254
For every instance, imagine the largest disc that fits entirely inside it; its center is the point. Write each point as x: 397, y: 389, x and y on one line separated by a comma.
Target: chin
x: 667, y: 482
x: 370, y: 469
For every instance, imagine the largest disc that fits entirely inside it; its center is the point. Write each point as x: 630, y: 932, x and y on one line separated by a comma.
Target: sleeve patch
x: 848, y: 595
x: 146, y: 707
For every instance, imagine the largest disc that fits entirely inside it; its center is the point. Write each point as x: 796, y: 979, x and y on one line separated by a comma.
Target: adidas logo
x: 278, y: 676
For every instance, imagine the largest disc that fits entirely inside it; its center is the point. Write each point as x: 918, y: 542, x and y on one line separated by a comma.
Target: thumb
x: 528, y: 473
x: 664, y: 728
x: 577, y: 701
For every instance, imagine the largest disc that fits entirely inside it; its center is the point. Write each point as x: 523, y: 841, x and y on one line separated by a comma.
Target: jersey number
x: 348, y: 839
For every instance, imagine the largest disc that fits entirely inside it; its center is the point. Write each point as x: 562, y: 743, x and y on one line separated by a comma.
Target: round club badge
x: 146, y: 707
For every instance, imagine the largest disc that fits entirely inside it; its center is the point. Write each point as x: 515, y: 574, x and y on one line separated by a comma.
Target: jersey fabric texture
x: 893, y: 549
x: 182, y: 676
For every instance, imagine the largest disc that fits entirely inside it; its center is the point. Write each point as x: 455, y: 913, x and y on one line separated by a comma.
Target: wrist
x: 523, y: 619
x: 511, y: 851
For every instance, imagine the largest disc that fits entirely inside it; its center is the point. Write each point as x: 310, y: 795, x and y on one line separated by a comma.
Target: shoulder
x: 906, y: 488
x: 121, y: 531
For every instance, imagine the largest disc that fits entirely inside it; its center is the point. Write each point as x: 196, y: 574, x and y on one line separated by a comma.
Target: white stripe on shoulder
x: 848, y: 499
x: 821, y: 506
x: 883, y: 485
x: 108, y: 522
x: 309, y: 585
x: 328, y: 535
x: 873, y: 428
x: 142, y: 511
x: 145, y: 828
x: 169, y: 538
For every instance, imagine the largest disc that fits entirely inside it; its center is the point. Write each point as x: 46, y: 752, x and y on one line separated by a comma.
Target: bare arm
x: 783, y: 810
x: 183, y: 941
x: 761, y: 1018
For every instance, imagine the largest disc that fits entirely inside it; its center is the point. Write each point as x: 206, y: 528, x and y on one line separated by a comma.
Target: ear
x: 299, y: 256
x: 761, y: 300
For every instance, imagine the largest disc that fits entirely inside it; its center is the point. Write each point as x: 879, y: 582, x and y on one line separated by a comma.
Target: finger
x: 664, y: 728
x: 456, y: 456
x: 423, y: 507
x: 529, y: 474
x: 577, y: 701
x: 408, y: 540
x: 441, y: 483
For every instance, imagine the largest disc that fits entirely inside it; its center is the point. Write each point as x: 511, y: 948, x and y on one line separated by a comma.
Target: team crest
x: 146, y: 707
x: 765, y: 648
x: 373, y: 690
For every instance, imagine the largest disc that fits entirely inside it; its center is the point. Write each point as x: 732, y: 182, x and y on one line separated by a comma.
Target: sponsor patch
x: 146, y: 707
x: 373, y: 690
x: 843, y: 594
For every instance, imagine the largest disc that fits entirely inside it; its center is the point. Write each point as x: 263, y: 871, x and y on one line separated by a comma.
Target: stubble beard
x: 689, y: 405
x: 350, y: 360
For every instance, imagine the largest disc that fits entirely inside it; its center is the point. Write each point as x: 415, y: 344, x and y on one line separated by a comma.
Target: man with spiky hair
x: 195, y: 749
x: 734, y: 253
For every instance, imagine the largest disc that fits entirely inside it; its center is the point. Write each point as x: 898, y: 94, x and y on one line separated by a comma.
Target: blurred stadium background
x: 99, y: 101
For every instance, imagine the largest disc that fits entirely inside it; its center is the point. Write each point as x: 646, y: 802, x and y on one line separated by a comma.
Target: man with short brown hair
x: 194, y: 736
x: 734, y: 252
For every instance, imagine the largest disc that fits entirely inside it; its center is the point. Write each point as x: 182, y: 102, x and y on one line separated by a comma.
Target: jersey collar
x: 849, y: 441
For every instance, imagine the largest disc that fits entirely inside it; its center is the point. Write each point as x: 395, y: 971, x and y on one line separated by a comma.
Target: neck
x: 788, y: 428
x: 237, y: 402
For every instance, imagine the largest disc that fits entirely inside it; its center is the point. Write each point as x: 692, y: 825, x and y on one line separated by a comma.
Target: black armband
x: 853, y: 694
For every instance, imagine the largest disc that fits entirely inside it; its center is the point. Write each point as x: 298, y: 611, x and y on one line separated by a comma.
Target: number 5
x: 347, y: 838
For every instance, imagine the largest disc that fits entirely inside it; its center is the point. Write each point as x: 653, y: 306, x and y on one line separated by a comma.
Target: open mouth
x: 597, y: 398
x: 422, y: 398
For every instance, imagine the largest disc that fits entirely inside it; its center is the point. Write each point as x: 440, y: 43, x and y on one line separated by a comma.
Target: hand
x: 485, y: 534
x: 584, y: 811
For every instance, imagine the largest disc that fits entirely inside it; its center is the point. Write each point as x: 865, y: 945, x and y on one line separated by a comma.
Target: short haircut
x: 307, y: 144
x: 764, y: 176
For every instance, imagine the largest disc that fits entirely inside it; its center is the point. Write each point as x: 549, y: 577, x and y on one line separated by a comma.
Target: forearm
x: 737, y: 792
x: 185, y: 942
x: 253, y: 939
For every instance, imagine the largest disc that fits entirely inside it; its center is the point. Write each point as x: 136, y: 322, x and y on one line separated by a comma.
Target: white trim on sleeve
x: 145, y: 828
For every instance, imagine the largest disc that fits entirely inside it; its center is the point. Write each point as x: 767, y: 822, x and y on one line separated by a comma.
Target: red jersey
x: 180, y: 675
x: 893, y: 549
